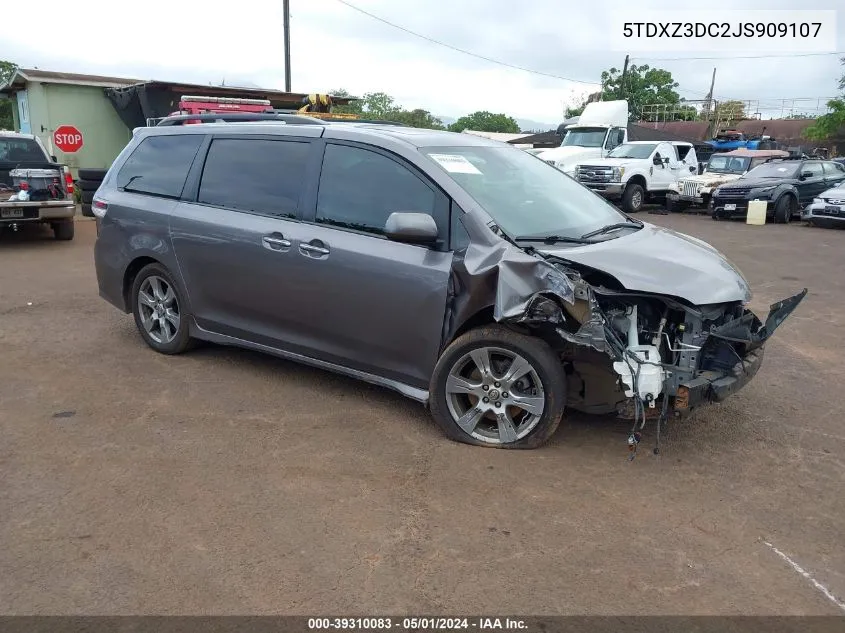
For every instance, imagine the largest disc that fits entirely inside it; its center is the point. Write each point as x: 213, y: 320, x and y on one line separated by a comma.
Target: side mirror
x: 806, y: 174
x: 657, y: 160
x: 693, y: 169
x: 410, y: 227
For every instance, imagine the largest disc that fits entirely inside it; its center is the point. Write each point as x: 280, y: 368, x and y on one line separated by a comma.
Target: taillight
x: 68, y: 181
x: 99, y: 208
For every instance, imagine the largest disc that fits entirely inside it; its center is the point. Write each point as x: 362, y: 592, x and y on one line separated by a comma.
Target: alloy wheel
x: 158, y: 309
x: 495, y: 395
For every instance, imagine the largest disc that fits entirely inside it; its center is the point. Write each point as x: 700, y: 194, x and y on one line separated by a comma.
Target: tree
x: 354, y: 107
x: 644, y: 88
x: 7, y: 119
x: 484, y: 121
x: 415, y: 118
x: 833, y: 123
x: 731, y: 110
x: 801, y: 115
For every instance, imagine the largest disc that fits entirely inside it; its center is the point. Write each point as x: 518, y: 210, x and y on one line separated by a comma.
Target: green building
x: 45, y: 100
x: 106, y: 109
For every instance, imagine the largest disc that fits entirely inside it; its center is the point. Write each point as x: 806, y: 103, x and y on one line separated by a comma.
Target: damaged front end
x: 640, y: 355
x: 652, y: 349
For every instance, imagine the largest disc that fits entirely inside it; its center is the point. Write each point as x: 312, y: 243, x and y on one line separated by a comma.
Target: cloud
x: 334, y: 46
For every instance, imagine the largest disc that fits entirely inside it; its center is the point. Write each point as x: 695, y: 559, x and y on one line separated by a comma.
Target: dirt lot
x: 224, y: 481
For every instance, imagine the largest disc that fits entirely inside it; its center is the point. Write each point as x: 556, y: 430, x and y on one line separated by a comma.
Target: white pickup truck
x: 638, y: 171
x: 25, y: 166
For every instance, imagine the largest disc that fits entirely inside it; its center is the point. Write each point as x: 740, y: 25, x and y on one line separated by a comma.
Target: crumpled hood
x: 662, y: 261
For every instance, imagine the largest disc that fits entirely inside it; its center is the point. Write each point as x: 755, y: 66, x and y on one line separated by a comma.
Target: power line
x: 465, y: 52
x: 729, y: 58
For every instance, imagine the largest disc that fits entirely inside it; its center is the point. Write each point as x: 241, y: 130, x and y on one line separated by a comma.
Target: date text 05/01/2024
x: 415, y: 624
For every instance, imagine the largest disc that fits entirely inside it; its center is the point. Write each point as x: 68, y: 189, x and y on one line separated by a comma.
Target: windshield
x: 21, y: 150
x: 524, y: 196
x: 774, y: 170
x: 584, y: 137
x: 728, y: 164
x: 633, y: 150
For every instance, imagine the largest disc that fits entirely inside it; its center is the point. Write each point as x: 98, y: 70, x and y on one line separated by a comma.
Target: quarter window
x: 359, y: 189
x: 160, y: 165
x: 254, y: 175
x: 814, y: 168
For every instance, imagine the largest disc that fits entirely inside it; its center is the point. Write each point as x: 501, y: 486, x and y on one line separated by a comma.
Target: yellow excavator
x: 320, y: 107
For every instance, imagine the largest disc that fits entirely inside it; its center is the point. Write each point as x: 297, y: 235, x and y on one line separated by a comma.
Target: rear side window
x: 833, y: 169
x: 160, y: 165
x: 255, y: 175
x: 359, y: 189
x: 683, y: 150
x: 814, y: 168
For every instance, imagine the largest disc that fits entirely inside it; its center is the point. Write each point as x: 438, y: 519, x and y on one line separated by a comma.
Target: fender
x: 783, y: 190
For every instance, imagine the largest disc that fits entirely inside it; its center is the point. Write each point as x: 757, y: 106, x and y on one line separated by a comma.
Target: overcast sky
x: 334, y: 46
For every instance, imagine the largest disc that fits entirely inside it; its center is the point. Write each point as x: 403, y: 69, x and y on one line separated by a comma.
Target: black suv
x: 786, y: 184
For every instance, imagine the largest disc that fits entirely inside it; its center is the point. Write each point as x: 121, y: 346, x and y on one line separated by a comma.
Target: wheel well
x: 482, y: 317
x: 786, y: 194
x: 637, y: 180
x: 129, y: 276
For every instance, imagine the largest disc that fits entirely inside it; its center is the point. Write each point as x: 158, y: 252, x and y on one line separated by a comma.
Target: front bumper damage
x: 689, y: 356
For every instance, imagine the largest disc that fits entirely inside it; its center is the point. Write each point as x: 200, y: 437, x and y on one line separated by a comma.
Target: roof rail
x: 233, y: 117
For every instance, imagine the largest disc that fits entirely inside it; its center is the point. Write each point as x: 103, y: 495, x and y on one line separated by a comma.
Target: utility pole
x: 286, y: 9
x: 622, y: 90
x: 710, y: 94
x: 709, y: 106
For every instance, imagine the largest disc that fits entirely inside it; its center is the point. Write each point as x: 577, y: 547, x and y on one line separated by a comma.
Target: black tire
x: 94, y: 175
x: 87, y: 197
x: 181, y: 340
x: 672, y: 206
x: 545, y: 365
x: 633, y: 198
x: 63, y: 231
x: 86, y: 210
x: 784, y: 208
x: 89, y: 185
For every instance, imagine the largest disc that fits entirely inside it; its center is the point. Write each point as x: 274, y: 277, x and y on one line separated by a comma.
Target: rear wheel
x: 784, y: 208
x: 498, y: 388
x: 160, y: 311
x: 633, y: 198
x: 63, y: 230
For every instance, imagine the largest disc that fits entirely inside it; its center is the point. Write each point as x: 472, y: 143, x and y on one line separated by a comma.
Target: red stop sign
x: 67, y: 138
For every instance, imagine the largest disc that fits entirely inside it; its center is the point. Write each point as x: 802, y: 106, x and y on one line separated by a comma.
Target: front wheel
x: 784, y: 209
x: 633, y: 198
x: 498, y: 388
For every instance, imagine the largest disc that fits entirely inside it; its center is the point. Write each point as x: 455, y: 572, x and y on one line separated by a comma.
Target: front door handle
x: 275, y: 242
x: 311, y: 249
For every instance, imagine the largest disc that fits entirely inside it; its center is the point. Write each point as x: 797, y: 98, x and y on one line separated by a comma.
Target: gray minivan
x: 459, y: 271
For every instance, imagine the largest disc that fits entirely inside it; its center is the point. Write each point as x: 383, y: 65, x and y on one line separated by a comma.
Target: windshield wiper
x: 612, y: 227
x: 551, y: 239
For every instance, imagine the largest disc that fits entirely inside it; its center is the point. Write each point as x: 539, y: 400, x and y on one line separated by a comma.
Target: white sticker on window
x: 455, y: 163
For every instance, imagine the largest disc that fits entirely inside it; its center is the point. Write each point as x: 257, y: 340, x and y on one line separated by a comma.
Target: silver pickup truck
x: 34, y: 188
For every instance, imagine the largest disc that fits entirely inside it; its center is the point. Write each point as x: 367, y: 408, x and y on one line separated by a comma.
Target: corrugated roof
x: 49, y: 75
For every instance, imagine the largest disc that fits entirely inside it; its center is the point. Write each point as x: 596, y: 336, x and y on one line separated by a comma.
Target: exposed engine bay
x: 644, y: 355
